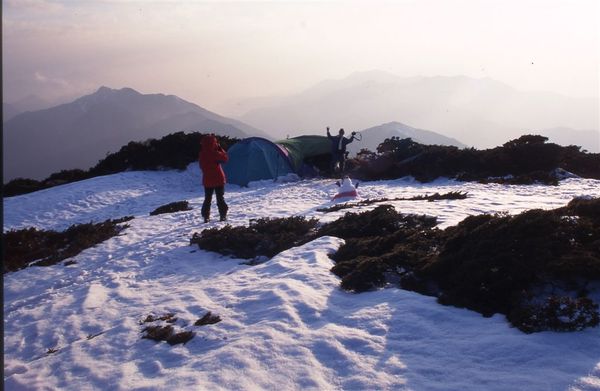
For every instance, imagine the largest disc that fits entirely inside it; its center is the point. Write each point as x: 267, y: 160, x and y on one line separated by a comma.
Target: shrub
x: 368, y: 273
x: 380, y: 221
x: 525, y: 160
x: 453, y: 195
x: 21, y: 186
x: 556, y: 313
x: 161, y: 332
x: 180, y: 337
x: 50, y: 247
x: 173, y: 207
x: 263, y: 237
x: 207, y: 319
x: 174, y: 151
x: 485, y: 263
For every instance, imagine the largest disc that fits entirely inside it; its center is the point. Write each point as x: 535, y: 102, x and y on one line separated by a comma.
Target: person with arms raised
x: 338, y: 149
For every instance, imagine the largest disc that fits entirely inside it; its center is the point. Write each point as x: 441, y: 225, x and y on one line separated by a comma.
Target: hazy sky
x: 213, y: 51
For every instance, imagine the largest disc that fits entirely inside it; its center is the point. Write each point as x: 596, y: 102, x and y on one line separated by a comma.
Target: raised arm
x: 221, y: 155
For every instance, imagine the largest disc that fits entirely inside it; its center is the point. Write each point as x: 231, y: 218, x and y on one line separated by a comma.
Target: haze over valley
x: 279, y: 69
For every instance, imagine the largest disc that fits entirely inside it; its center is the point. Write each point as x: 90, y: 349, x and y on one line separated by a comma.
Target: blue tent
x: 257, y: 158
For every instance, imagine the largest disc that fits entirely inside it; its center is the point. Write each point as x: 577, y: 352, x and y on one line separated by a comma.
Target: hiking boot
x: 206, y: 219
x: 223, y: 218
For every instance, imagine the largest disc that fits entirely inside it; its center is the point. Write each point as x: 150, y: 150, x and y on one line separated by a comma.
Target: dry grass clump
x: 453, y: 195
x: 24, y: 246
x: 178, y: 206
x: 163, y: 327
x: 208, y: 318
x: 520, y: 266
x: 263, y: 237
x: 534, y: 267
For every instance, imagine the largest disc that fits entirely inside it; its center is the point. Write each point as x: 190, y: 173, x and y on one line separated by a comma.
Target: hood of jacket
x: 209, y: 142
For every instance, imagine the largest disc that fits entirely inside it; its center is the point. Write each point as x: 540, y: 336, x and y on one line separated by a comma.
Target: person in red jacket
x: 213, y: 178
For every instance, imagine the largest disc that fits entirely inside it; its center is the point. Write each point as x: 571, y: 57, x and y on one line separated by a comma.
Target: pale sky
x: 214, y: 51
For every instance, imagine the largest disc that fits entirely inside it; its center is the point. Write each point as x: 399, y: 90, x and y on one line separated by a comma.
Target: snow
x: 286, y: 324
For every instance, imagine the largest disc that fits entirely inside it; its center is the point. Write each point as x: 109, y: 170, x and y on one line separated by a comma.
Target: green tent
x: 256, y: 158
x: 303, y: 147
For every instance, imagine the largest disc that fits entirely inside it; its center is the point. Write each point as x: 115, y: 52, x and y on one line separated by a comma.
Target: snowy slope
x: 286, y: 323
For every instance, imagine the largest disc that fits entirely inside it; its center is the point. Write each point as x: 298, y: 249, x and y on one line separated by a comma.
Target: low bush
x: 158, y: 331
x: 263, y: 237
x: 534, y: 267
x: 528, y: 159
x: 556, y: 313
x: 487, y: 263
x: 179, y: 206
x: 383, y: 220
x: 174, y: 151
x: 453, y: 195
x: 46, y: 248
x: 208, y: 318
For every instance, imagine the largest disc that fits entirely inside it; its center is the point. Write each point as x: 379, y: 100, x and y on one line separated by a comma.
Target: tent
x: 256, y: 158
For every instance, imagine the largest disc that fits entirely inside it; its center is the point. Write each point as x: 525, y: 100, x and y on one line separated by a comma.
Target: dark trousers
x: 335, y: 159
x: 220, y: 193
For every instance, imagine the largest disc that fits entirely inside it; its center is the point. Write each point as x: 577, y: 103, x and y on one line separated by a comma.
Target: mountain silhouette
x: 78, y: 134
x: 479, y: 112
x: 374, y: 136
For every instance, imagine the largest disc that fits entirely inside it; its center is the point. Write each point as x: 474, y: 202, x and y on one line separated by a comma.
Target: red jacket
x: 210, y: 158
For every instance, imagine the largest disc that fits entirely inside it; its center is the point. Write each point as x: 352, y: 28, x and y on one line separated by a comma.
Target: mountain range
x: 481, y: 112
x: 478, y: 112
x: 588, y: 139
x: 78, y: 134
x: 370, y: 138
x: 28, y: 103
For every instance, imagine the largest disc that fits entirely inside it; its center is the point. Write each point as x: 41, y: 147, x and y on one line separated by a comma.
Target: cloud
x: 40, y: 77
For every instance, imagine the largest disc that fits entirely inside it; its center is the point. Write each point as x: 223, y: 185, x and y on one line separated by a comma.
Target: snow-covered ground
x: 285, y: 325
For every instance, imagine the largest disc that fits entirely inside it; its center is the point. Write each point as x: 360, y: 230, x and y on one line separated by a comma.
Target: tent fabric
x: 256, y: 158
x: 303, y: 147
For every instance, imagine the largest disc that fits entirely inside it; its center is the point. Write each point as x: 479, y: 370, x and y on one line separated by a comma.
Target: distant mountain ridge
x: 78, y: 134
x: 8, y: 111
x: 589, y: 139
x: 374, y: 136
x: 28, y: 103
x: 480, y: 112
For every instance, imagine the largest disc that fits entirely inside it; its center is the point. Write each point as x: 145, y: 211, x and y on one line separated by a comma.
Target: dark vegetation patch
x: 536, y: 267
x: 372, y: 249
x: 380, y: 221
x: 263, y: 237
x: 21, y: 247
x: 163, y: 327
x: 167, y: 333
x: 159, y: 331
x: 453, y: 195
x: 520, y: 266
x: 178, y: 206
x: 169, y: 318
x: 208, y: 318
x: 180, y: 337
x: 556, y: 313
x: 174, y: 151
x: 526, y: 160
